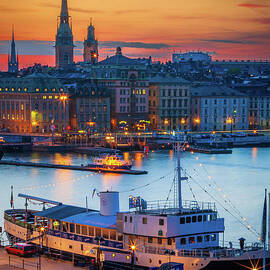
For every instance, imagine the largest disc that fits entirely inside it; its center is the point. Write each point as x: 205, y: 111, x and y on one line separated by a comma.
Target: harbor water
x: 236, y: 182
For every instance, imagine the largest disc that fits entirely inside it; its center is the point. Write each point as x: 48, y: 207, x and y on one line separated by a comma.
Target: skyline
x: 236, y: 29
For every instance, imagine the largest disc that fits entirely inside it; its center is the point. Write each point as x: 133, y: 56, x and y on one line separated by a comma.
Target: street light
x: 99, y: 239
x: 133, y: 247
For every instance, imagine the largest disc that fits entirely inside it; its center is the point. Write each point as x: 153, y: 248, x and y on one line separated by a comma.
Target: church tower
x: 90, y: 53
x: 13, y: 60
x: 64, y: 39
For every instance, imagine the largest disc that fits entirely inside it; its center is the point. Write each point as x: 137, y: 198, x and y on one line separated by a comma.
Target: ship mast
x: 179, y: 177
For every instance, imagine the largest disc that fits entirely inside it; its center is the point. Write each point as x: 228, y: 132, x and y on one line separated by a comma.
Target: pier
x: 70, y: 167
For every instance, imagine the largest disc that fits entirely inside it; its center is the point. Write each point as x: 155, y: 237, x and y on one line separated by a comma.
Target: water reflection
x: 138, y: 158
x: 254, y: 152
x: 110, y: 180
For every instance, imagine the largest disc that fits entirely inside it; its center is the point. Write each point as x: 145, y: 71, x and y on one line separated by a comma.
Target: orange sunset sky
x: 229, y: 29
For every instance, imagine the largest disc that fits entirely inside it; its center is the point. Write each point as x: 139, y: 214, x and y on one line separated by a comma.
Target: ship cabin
x: 161, y: 226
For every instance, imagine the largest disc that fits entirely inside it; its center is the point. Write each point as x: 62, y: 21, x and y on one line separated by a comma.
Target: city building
x: 194, y: 56
x: 169, y: 103
x: 127, y: 81
x: 64, y: 39
x: 89, y: 107
x: 13, y: 59
x: 259, y: 109
x: 35, y: 103
x: 216, y: 107
x: 90, y: 53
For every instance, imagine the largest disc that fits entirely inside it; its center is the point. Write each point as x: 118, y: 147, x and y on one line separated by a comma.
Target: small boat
x: 111, y: 162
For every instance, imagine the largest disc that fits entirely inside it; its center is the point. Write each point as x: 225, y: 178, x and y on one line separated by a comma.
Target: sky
x: 228, y: 29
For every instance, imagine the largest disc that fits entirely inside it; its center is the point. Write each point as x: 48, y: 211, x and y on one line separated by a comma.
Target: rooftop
x: 93, y: 219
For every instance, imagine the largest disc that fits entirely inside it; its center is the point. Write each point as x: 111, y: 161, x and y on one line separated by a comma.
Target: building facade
x: 90, y: 53
x: 169, y: 103
x: 36, y: 103
x: 89, y: 108
x: 218, y: 108
x: 64, y: 39
x: 127, y: 81
x: 259, y: 110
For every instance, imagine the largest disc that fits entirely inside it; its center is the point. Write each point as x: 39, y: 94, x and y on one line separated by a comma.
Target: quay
x: 205, y: 150
x: 70, y: 167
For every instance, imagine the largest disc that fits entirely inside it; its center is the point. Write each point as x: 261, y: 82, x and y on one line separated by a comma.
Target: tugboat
x: 151, y: 235
x: 111, y: 162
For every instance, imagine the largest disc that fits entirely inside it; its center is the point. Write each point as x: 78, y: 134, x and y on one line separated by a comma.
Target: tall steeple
x: 64, y: 39
x: 91, y: 45
x: 13, y: 63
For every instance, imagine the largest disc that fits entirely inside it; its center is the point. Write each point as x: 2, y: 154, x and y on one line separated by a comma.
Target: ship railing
x: 17, y: 217
x: 198, y: 253
x: 169, y: 207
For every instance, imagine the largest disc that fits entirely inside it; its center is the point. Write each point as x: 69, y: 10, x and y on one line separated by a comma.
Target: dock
x: 70, y: 167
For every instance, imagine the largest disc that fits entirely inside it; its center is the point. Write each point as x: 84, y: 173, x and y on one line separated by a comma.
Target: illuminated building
x: 89, y: 107
x: 90, y: 53
x: 169, y: 101
x: 13, y: 60
x: 33, y: 104
x: 215, y: 107
x: 127, y: 81
x: 64, y: 39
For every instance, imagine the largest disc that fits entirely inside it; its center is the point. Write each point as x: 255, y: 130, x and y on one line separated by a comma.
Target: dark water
x: 237, y: 181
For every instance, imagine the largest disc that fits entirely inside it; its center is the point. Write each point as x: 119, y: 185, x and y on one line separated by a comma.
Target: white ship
x: 157, y: 235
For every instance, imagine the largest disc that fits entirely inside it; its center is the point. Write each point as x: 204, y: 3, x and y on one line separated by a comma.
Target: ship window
x: 144, y: 220
x: 130, y: 219
x: 71, y: 227
x: 199, y: 218
x: 182, y: 220
x: 191, y: 240
x: 120, y: 237
x: 183, y: 241
x: 206, y: 238
x: 98, y: 232
x: 81, y: 247
x: 213, y: 237
x: 84, y: 230
x: 199, y: 239
x: 161, y: 222
x: 78, y: 229
x: 113, y: 235
x: 169, y: 241
x: 160, y: 241
x: 106, y: 234
x: 70, y: 246
x: 65, y: 227
x: 214, y: 217
x: 125, y: 218
x: 194, y: 218
x: 188, y: 219
x: 204, y: 218
x: 90, y: 231
x: 150, y: 239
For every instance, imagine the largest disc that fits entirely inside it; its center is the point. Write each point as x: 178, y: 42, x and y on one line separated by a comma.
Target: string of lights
x: 224, y: 196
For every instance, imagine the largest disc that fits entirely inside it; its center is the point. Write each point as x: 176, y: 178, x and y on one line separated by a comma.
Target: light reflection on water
x: 242, y: 177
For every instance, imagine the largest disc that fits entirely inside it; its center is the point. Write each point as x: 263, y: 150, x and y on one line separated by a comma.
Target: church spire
x: 64, y: 17
x: 12, y: 61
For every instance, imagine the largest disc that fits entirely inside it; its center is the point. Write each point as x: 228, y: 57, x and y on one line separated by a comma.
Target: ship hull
x: 113, y: 256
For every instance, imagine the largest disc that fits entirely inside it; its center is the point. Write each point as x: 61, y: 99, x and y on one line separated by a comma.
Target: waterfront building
x: 89, y: 107
x: 259, y: 109
x: 216, y: 107
x: 127, y: 81
x: 169, y: 103
x: 34, y: 103
x: 90, y: 53
x: 13, y: 59
x: 64, y: 39
x: 194, y: 56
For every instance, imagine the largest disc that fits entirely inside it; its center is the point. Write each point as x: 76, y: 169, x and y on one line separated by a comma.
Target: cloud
x: 141, y: 45
x: 128, y: 11
x: 230, y: 41
x: 250, y: 5
x: 262, y: 20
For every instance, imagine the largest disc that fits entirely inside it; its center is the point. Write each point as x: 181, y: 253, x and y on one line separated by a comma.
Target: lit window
x: 37, y: 90
x: 144, y: 92
x: 44, y: 97
x: 128, y: 257
x: 50, y: 97
x: 56, y: 97
x: 144, y: 220
x: 113, y: 255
